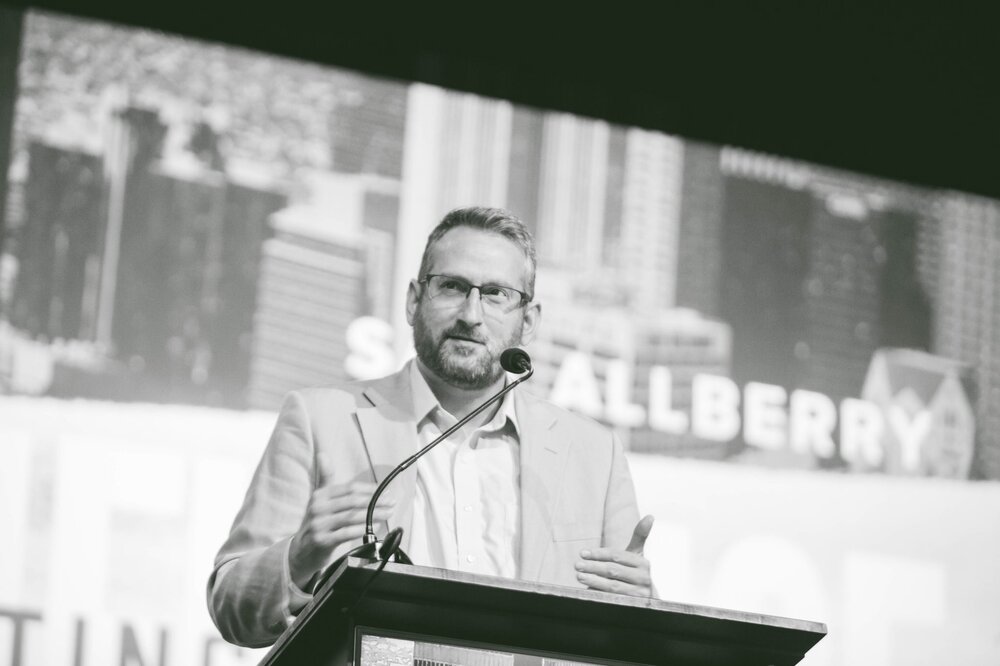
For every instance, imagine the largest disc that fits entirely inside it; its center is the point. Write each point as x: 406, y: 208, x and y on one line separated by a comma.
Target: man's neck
x: 459, y: 401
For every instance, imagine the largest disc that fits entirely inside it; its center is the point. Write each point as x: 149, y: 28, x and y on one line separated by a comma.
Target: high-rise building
x: 525, y: 171
x: 650, y: 220
x: 248, y: 207
x: 862, y: 289
x: 699, y: 251
x: 536, y: 167
x: 572, y: 195
x: 187, y: 282
x: 380, y: 213
x: 167, y: 292
x: 367, y: 130
x: 966, y: 298
x: 311, y: 288
x: 473, y: 151
x: 766, y: 213
x: 820, y: 269
x: 59, y: 249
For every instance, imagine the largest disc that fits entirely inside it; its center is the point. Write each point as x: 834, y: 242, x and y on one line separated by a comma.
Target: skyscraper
x: 60, y: 248
x: 862, y: 289
x: 311, y: 288
x: 820, y: 269
x: 966, y: 297
x: 766, y: 212
x: 699, y: 252
x: 650, y: 219
x: 574, y: 169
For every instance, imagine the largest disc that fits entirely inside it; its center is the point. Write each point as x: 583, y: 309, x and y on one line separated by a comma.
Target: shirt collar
x: 424, y: 402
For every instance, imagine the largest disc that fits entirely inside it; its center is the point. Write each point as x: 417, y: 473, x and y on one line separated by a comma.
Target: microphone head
x: 515, y: 360
x: 391, y: 544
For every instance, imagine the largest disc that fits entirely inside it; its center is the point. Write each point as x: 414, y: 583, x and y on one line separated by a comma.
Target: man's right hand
x: 334, y: 516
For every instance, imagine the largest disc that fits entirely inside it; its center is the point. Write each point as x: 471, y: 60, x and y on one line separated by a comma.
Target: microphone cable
x: 389, y: 548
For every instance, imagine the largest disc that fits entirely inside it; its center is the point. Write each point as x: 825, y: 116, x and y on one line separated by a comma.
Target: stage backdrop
x: 803, y: 363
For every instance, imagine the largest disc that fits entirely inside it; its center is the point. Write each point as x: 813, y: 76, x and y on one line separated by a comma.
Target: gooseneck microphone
x: 517, y: 361
x: 513, y: 360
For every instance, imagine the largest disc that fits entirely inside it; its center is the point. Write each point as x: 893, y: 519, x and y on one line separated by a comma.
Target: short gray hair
x: 494, y: 220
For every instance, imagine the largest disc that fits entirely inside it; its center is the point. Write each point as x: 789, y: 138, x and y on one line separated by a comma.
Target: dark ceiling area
x: 908, y: 95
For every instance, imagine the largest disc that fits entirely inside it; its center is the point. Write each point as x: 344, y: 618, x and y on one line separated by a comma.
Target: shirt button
x: 470, y: 558
x: 467, y: 508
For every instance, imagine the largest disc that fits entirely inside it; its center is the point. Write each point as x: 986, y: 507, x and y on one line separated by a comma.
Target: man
x: 524, y: 490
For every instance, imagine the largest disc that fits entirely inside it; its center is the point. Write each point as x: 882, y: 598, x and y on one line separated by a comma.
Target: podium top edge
x: 620, y: 601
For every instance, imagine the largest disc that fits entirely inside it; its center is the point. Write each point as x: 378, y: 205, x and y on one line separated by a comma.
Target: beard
x: 466, y: 369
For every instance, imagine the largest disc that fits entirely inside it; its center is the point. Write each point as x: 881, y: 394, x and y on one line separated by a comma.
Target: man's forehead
x: 474, y: 253
x: 466, y: 234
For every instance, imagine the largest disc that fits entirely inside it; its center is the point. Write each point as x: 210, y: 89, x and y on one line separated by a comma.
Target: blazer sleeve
x: 251, y: 597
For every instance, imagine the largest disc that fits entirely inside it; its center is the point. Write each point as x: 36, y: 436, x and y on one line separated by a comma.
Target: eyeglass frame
x: 525, y: 297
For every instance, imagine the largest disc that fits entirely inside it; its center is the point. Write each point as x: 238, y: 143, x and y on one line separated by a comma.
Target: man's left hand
x: 619, y: 571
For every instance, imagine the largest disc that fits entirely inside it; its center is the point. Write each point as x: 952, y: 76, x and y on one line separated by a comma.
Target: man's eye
x: 494, y: 291
x: 453, y: 285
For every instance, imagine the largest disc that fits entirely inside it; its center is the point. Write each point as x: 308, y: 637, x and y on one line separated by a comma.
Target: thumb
x: 642, y: 529
x: 324, y: 469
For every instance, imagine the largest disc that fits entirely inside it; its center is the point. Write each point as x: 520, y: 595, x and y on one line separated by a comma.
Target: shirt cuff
x: 293, y: 599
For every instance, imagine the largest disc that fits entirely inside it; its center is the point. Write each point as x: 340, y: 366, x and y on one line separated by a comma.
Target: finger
x: 322, y: 505
x: 611, y: 571
x: 325, y: 522
x: 324, y: 469
x: 342, y: 534
x: 639, y: 535
x: 386, y: 501
x: 595, y: 582
x: 613, y: 555
x: 361, y: 488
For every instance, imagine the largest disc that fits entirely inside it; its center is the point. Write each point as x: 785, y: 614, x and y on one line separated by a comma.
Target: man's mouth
x: 465, y: 338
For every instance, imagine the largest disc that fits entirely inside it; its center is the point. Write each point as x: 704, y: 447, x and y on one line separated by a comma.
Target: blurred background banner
x: 803, y: 363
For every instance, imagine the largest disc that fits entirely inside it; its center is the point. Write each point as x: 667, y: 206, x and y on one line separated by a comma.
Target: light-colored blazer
x: 576, y: 492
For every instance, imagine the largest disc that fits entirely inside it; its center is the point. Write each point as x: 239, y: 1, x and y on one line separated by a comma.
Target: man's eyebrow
x: 487, y: 283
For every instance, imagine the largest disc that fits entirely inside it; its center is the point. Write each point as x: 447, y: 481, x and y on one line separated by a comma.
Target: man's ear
x: 412, y: 297
x: 532, y: 318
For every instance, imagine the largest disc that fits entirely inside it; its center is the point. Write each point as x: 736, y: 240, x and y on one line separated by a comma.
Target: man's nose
x: 472, y: 307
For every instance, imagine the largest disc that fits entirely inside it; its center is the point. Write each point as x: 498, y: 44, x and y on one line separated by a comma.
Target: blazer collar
x: 389, y: 431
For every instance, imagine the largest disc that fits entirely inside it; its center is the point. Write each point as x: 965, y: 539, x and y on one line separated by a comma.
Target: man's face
x: 461, y: 342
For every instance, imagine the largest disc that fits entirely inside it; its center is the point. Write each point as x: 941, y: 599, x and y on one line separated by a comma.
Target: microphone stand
x: 369, y: 538
x: 512, y: 360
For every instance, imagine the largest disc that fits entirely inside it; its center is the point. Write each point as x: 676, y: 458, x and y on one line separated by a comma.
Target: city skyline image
x: 222, y: 245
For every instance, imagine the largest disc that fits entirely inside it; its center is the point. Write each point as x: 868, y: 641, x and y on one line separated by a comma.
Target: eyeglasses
x: 450, y: 290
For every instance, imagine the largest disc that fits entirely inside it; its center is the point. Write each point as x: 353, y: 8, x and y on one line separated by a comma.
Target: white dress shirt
x: 466, y: 513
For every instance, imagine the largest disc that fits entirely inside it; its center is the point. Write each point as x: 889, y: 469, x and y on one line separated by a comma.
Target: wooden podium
x: 431, y: 617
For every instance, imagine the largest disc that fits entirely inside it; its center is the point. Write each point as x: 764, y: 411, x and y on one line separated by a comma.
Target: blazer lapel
x: 389, y: 432
x: 543, y: 459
